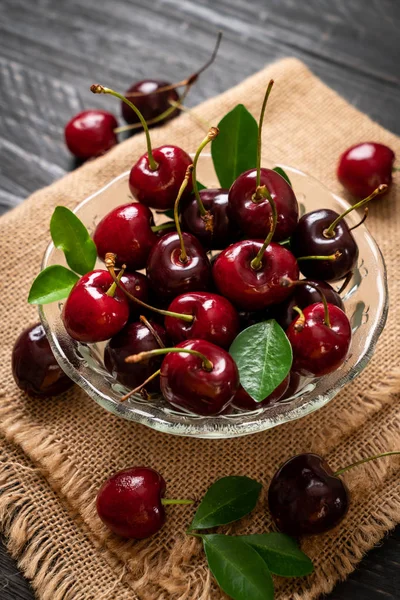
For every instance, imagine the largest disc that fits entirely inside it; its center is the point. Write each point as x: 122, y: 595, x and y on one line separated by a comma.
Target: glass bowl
x: 365, y: 299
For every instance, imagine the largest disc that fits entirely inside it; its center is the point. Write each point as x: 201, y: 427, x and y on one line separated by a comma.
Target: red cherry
x: 129, y: 503
x: 249, y: 288
x: 244, y: 401
x: 151, y: 104
x: 126, y: 231
x: 215, y: 319
x: 138, y: 285
x: 91, y: 133
x: 91, y: 315
x: 363, y: 167
x: 34, y: 368
x: 159, y: 188
x: 319, y: 349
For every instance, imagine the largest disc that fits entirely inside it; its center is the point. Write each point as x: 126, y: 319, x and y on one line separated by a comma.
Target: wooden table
x: 50, y: 50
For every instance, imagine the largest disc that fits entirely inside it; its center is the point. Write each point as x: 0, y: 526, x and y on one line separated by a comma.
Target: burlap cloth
x: 56, y: 453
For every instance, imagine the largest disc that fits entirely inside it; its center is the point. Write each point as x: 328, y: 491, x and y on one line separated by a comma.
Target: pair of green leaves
x: 71, y: 236
x: 234, y: 150
x: 242, y: 565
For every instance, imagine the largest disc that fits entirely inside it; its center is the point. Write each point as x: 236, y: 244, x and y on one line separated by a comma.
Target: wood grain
x: 52, y: 50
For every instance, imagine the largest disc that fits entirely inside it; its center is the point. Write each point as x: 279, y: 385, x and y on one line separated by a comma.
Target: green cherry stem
x: 163, y: 226
x: 335, y: 256
x: 211, y: 135
x: 113, y: 287
x: 135, y: 358
x: 99, y: 89
x: 153, y: 332
x: 110, y: 264
x: 301, y: 320
x: 140, y: 387
x: 259, y: 139
x: 183, y: 255
x: 286, y: 282
x: 330, y: 231
x: 170, y: 501
x: 365, y: 460
x: 256, y: 262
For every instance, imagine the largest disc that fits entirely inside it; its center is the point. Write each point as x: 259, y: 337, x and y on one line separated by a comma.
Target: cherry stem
x: 110, y: 264
x: 169, y: 501
x: 256, y: 262
x: 335, y: 256
x: 153, y: 332
x: 99, y: 89
x: 365, y: 460
x: 163, y: 226
x: 211, y: 135
x: 183, y: 255
x: 135, y: 358
x: 286, y: 282
x: 330, y: 231
x: 113, y: 287
x: 301, y: 320
x: 346, y: 282
x: 260, y: 124
x: 139, y: 387
x: 362, y: 220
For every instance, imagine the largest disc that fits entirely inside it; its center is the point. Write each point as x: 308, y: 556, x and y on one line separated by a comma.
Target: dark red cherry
x: 309, y: 239
x: 305, y: 497
x: 294, y: 384
x: 138, y: 285
x: 150, y: 103
x: 317, y: 348
x: 34, y: 368
x: 186, y: 384
x: 254, y: 289
x: 224, y: 230
x: 132, y: 339
x: 159, y: 188
x: 129, y: 502
x: 248, y: 318
x: 215, y: 319
x: 364, y: 166
x: 254, y: 216
x: 244, y: 401
x: 169, y: 276
x: 91, y: 133
x: 90, y: 314
x: 304, y: 295
x: 126, y: 231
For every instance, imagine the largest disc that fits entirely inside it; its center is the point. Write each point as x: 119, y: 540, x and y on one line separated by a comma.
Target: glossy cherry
x: 95, y: 309
x: 305, y: 295
x: 134, y: 338
x: 127, y: 232
x: 215, y: 319
x: 364, y: 166
x: 319, y: 347
x: 91, y: 133
x: 248, y: 318
x: 130, y: 502
x: 305, y: 496
x: 294, y: 384
x: 244, y: 401
x: 151, y: 103
x: 138, y: 285
x: 34, y: 368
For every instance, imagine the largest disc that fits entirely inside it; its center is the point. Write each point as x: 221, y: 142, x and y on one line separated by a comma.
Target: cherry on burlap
x: 56, y: 453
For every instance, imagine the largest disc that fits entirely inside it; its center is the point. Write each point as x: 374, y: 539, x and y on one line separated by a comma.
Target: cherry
x: 196, y: 376
x: 248, y: 273
x: 34, y: 368
x: 305, y: 496
x: 126, y: 231
x: 303, y: 296
x: 149, y: 101
x: 138, y: 286
x: 134, y: 338
x: 215, y: 319
x: 95, y: 309
x: 244, y: 401
x: 324, y: 244
x: 294, y: 384
x: 252, y: 210
x: 156, y: 177
x: 91, y: 133
x: 364, y: 167
x: 320, y: 339
x: 248, y: 318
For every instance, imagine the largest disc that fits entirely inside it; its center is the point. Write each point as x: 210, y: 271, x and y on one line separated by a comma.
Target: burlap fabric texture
x: 56, y: 453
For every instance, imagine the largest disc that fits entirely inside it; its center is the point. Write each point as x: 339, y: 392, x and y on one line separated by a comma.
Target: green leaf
x: 226, y: 500
x: 281, y: 553
x: 263, y: 355
x: 238, y: 568
x: 70, y: 235
x: 234, y: 150
x: 52, y: 284
x: 200, y: 186
x: 283, y: 174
